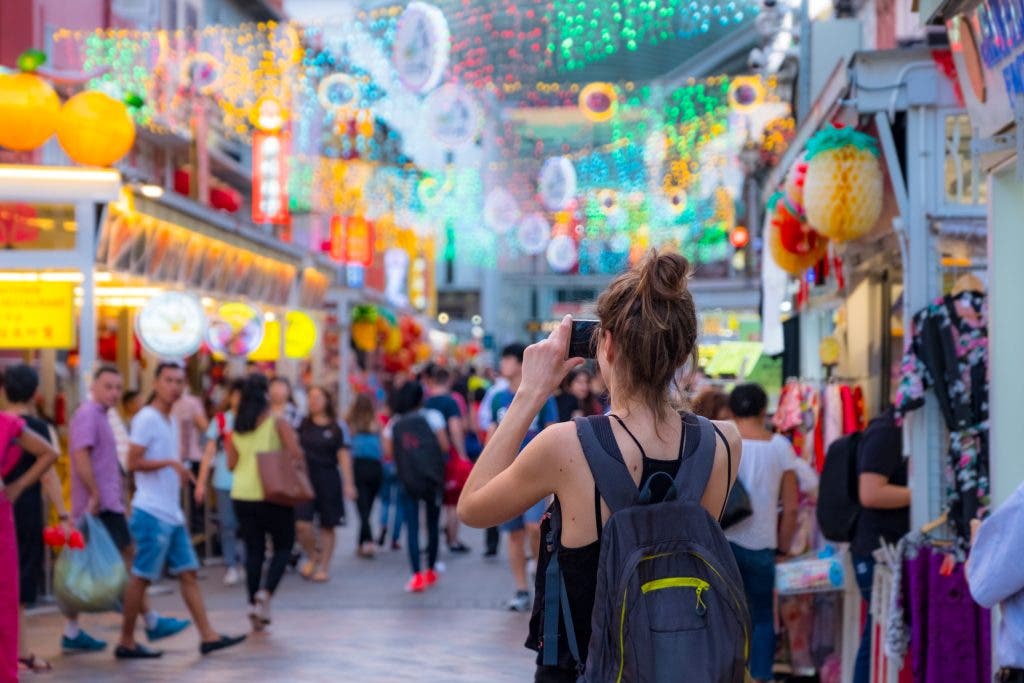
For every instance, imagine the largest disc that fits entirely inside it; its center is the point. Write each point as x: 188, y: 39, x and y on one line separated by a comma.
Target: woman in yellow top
x: 257, y: 431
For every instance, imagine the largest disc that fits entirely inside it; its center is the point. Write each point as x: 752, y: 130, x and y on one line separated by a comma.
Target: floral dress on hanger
x: 948, y: 352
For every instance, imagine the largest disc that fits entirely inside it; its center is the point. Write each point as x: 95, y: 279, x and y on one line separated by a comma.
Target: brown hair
x: 329, y: 409
x: 710, y: 403
x: 650, y: 314
x: 362, y: 417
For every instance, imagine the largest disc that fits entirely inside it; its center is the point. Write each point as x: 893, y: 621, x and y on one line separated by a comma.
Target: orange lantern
x: 95, y: 129
x: 29, y: 109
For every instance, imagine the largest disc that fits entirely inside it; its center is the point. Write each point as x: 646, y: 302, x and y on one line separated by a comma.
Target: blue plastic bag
x: 91, y: 579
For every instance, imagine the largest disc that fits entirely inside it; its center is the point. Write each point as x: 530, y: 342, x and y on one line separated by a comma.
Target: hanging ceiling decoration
x: 421, y: 47
x: 453, y: 115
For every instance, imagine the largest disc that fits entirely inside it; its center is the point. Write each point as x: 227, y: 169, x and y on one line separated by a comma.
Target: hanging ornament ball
x: 95, y: 129
x: 562, y: 254
x: 501, y: 212
x: 844, y: 187
x: 793, y: 262
x: 598, y: 102
x: 453, y: 115
x: 557, y: 183
x: 739, y: 237
x: 534, y: 233
x: 29, y: 110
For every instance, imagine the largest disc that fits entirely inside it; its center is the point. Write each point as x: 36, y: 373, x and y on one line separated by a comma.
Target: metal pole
x: 803, y: 100
x: 85, y: 216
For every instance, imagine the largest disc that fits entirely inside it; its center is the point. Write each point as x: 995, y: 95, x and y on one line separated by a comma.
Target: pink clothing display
x: 10, y: 429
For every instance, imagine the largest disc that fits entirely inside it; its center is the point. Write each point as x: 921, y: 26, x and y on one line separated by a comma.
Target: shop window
x: 963, y: 183
x: 48, y: 227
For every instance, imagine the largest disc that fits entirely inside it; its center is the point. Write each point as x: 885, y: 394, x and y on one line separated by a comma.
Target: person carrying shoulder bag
x: 257, y: 432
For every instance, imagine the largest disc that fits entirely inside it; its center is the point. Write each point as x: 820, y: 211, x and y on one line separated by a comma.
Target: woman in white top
x: 767, y: 470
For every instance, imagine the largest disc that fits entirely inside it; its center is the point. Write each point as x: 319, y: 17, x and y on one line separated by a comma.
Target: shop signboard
x: 37, y: 315
x: 988, y: 50
x: 270, y: 178
x: 396, y: 276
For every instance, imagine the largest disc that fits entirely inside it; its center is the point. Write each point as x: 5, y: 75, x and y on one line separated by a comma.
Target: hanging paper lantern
x: 534, y: 233
x: 844, y: 188
x: 364, y: 328
x: 808, y: 253
x: 453, y: 115
x: 95, y: 129
x: 562, y: 254
x: 501, y: 211
x: 29, y: 110
x: 557, y: 183
x: 421, y: 47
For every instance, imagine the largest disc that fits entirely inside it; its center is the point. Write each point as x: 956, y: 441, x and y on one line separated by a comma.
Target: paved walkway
x: 359, y: 627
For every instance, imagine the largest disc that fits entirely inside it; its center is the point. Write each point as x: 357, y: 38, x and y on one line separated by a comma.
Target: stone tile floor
x: 361, y: 626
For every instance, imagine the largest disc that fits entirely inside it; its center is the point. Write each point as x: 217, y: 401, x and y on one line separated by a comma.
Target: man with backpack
x: 416, y: 439
x: 526, y: 527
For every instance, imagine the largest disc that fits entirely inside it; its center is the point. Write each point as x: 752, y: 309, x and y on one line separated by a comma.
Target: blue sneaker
x: 166, y: 627
x: 83, y: 642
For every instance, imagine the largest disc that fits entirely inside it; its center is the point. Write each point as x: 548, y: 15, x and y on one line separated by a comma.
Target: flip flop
x: 34, y: 664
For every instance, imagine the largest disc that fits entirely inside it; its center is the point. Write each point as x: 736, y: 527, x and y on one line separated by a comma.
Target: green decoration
x: 835, y: 138
x: 29, y: 61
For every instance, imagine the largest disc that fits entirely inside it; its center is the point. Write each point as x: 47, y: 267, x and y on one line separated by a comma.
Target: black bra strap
x: 635, y: 440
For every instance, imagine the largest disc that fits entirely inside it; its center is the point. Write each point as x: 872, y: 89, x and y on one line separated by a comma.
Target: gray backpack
x: 670, y: 604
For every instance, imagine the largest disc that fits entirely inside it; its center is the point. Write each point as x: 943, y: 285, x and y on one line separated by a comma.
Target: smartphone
x: 582, y: 342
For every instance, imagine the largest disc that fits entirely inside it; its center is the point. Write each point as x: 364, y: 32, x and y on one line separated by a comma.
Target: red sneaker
x: 417, y: 584
x: 430, y: 576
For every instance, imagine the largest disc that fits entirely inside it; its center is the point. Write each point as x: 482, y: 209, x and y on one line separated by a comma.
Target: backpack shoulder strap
x: 695, y: 469
x: 610, y: 473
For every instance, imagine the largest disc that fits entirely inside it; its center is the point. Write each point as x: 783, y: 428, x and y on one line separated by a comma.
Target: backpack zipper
x: 699, y: 585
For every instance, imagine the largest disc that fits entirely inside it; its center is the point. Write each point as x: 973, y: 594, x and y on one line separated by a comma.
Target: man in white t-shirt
x: 157, y: 523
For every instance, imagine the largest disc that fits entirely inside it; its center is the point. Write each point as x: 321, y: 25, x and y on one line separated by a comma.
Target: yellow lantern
x: 844, y: 187
x: 29, y: 109
x: 95, y: 129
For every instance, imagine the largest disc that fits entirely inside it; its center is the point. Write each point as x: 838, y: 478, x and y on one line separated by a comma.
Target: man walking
x: 525, y: 528
x: 97, y: 489
x: 157, y: 523
x: 437, y: 384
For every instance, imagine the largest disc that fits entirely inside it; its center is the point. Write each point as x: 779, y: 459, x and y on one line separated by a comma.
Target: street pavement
x: 361, y: 626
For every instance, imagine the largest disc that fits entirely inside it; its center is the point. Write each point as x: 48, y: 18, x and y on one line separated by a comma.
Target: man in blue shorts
x: 157, y: 523
x: 527, y: 526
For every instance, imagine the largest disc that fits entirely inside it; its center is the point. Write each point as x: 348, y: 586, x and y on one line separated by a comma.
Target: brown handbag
x: 285, y: 479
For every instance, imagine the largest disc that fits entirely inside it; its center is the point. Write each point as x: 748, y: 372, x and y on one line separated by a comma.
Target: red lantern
x: 739, y: 237
x: 183, y: 181
x: 225, y: 199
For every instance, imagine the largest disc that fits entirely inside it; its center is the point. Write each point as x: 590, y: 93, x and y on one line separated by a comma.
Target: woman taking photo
x: 367, y: 468
x: 768, y: 472
x: 258, y: 431
x: 648, y: 331
x: 324, y: 442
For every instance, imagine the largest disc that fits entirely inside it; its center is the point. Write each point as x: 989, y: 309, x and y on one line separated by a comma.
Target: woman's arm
x: 231, y: 452
x: 877, y: 493
x: 442, y: 437
x: 45, y: 456
x: 502, y: 485
x: 348, y: 476
x: 205, y: 465
x: 790, y: 496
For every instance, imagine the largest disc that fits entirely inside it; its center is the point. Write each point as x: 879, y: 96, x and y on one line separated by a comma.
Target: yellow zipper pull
x: 702, y: 609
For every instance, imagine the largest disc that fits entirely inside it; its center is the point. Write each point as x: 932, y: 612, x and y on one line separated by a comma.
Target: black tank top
x: 579, y: 565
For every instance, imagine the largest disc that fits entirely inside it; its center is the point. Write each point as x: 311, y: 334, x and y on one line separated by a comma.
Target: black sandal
x: 138, y: 652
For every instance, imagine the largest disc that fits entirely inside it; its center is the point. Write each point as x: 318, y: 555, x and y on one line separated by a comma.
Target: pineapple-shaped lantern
x: 843, y: 188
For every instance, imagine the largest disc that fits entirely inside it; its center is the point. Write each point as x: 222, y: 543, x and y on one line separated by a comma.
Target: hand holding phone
x: 583, y: 341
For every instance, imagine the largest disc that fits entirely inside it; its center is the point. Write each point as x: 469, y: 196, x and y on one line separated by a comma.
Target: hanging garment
x: 948, y: 352
x: 832, y: 415
x: 951, y: 636
x: 853, y: 409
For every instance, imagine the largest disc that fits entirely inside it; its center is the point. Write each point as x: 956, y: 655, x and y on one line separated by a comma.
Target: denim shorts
x: 531, y: 516
x: 159, y: 544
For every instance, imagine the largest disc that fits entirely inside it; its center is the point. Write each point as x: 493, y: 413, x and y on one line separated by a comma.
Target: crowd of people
x: 553, y: 452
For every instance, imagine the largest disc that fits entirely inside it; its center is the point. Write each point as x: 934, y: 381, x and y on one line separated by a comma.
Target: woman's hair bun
x: 663, y: 276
